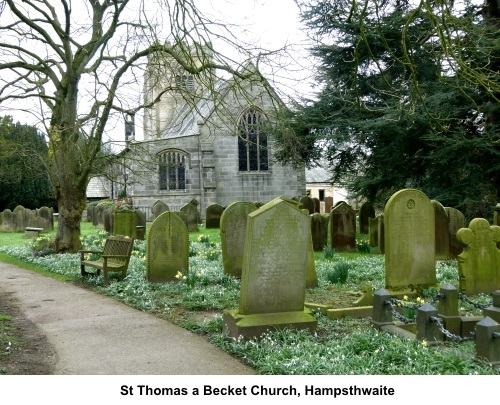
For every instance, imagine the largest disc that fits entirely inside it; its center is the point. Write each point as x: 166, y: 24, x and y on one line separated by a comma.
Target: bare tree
x: 74, y: 69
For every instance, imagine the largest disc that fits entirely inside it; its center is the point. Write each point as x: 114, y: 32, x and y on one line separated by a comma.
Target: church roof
x: 187, y: 119
x: 318, y: 175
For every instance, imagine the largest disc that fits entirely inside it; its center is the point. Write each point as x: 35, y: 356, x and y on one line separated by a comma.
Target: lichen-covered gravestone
x: 167, y: 249
x: 343, y: 228
x: 274, y: 273
x: 409, y: 240
x: 159, y: 207
x: 319, y: 231
x: 233, y: 228
x: 213, y: 215
x: 442, y: 231
x: 125, y: 222
x: 8, y: 221
x: 192, y: 215
x: 19, y: 215
x: 479, y: 263
x: 456, y: 221
x: 366, y: 212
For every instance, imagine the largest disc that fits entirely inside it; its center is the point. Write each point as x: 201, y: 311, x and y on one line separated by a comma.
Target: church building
x: 212, y: 146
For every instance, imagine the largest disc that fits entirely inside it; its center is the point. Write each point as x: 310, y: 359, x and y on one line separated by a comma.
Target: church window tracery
x: 252, y: 142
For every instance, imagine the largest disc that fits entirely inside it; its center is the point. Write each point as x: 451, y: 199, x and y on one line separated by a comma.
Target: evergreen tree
x: 23, y: 175
x: 408, y: 99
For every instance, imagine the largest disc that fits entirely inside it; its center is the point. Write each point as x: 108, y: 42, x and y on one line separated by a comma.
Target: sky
x: 268, y: 24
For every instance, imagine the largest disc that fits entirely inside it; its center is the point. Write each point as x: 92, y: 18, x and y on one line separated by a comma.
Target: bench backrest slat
x: 119, y: 245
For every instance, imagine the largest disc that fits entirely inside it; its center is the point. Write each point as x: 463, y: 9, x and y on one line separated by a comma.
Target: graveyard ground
x: 195, y: 307
x: 29, y: 351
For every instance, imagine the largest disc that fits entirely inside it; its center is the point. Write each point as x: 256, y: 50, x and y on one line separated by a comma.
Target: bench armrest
x: 90, y: 251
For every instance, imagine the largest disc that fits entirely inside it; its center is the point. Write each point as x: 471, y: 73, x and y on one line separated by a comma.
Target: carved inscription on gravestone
x: 409, y: 240
x: 275, y: 260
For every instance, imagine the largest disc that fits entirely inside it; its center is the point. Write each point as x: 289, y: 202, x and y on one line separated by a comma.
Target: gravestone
x: 311, y: 275
x: 479, y: 263
x: 167, y: 248
x: 19, y: 217
x: 366, y: 212
x: 456, y: 221
x: 307, y: 203
x: 373, y: 232
x: 47, y: 214
x: 381, y: 233
x: 100, y: 208
x: 343, y: 228
x: 496, y: 215
x: 108, y: 217
x: 159, y: 207
x: 213, y: 214
x: 125, y: 222
x: 274, y: 273
x: 140, y: 232
x: 8, y: 221
x: 328, y: 204
x: 409, y: 240
x: 192, y: 215
x: 319, y: 231
x: 317, y: 204
x: 233, y: 227
x: 442, y: 232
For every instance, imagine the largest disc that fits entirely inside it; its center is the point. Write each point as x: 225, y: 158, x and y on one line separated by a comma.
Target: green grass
x: 346, y: 346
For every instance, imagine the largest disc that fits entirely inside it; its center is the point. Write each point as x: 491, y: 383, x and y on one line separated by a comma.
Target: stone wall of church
x: 144, y: 182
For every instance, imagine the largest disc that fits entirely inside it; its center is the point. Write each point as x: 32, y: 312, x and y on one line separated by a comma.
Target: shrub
x: 363, y: 246
x: 339, y: 273
x: 328, y: 253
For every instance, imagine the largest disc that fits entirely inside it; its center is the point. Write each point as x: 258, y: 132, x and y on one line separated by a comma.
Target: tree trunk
x: 70, y: 215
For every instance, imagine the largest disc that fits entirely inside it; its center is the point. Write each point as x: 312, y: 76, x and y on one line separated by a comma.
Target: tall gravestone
x: 319, y: 231
x: 456, y: 221
x: 108, y: 217
x: 167, y: 248
x: 479, y: 263
x: 213, y: 215
x: 125, y: 222
x: 343, y: 228
x: 409, y: 240
x: 442, y: 232
x: 233, y: 228
x: 140, y: 233
x: 274, y: 273
x: 19, y: 218
x: 192, y: 215
x: 366, y: 212
x: 159, y: 207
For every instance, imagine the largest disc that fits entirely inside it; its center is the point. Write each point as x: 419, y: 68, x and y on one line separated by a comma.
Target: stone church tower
x: 206, y: 140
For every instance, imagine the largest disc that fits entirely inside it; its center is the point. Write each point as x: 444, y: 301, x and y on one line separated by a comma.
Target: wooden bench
x: 31, y: 232
x: 114, y: 257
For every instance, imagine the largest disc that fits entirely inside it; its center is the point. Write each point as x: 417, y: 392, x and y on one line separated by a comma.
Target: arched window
x: 185, y: 81
x: 252, y: 142
x: 172, y: 170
